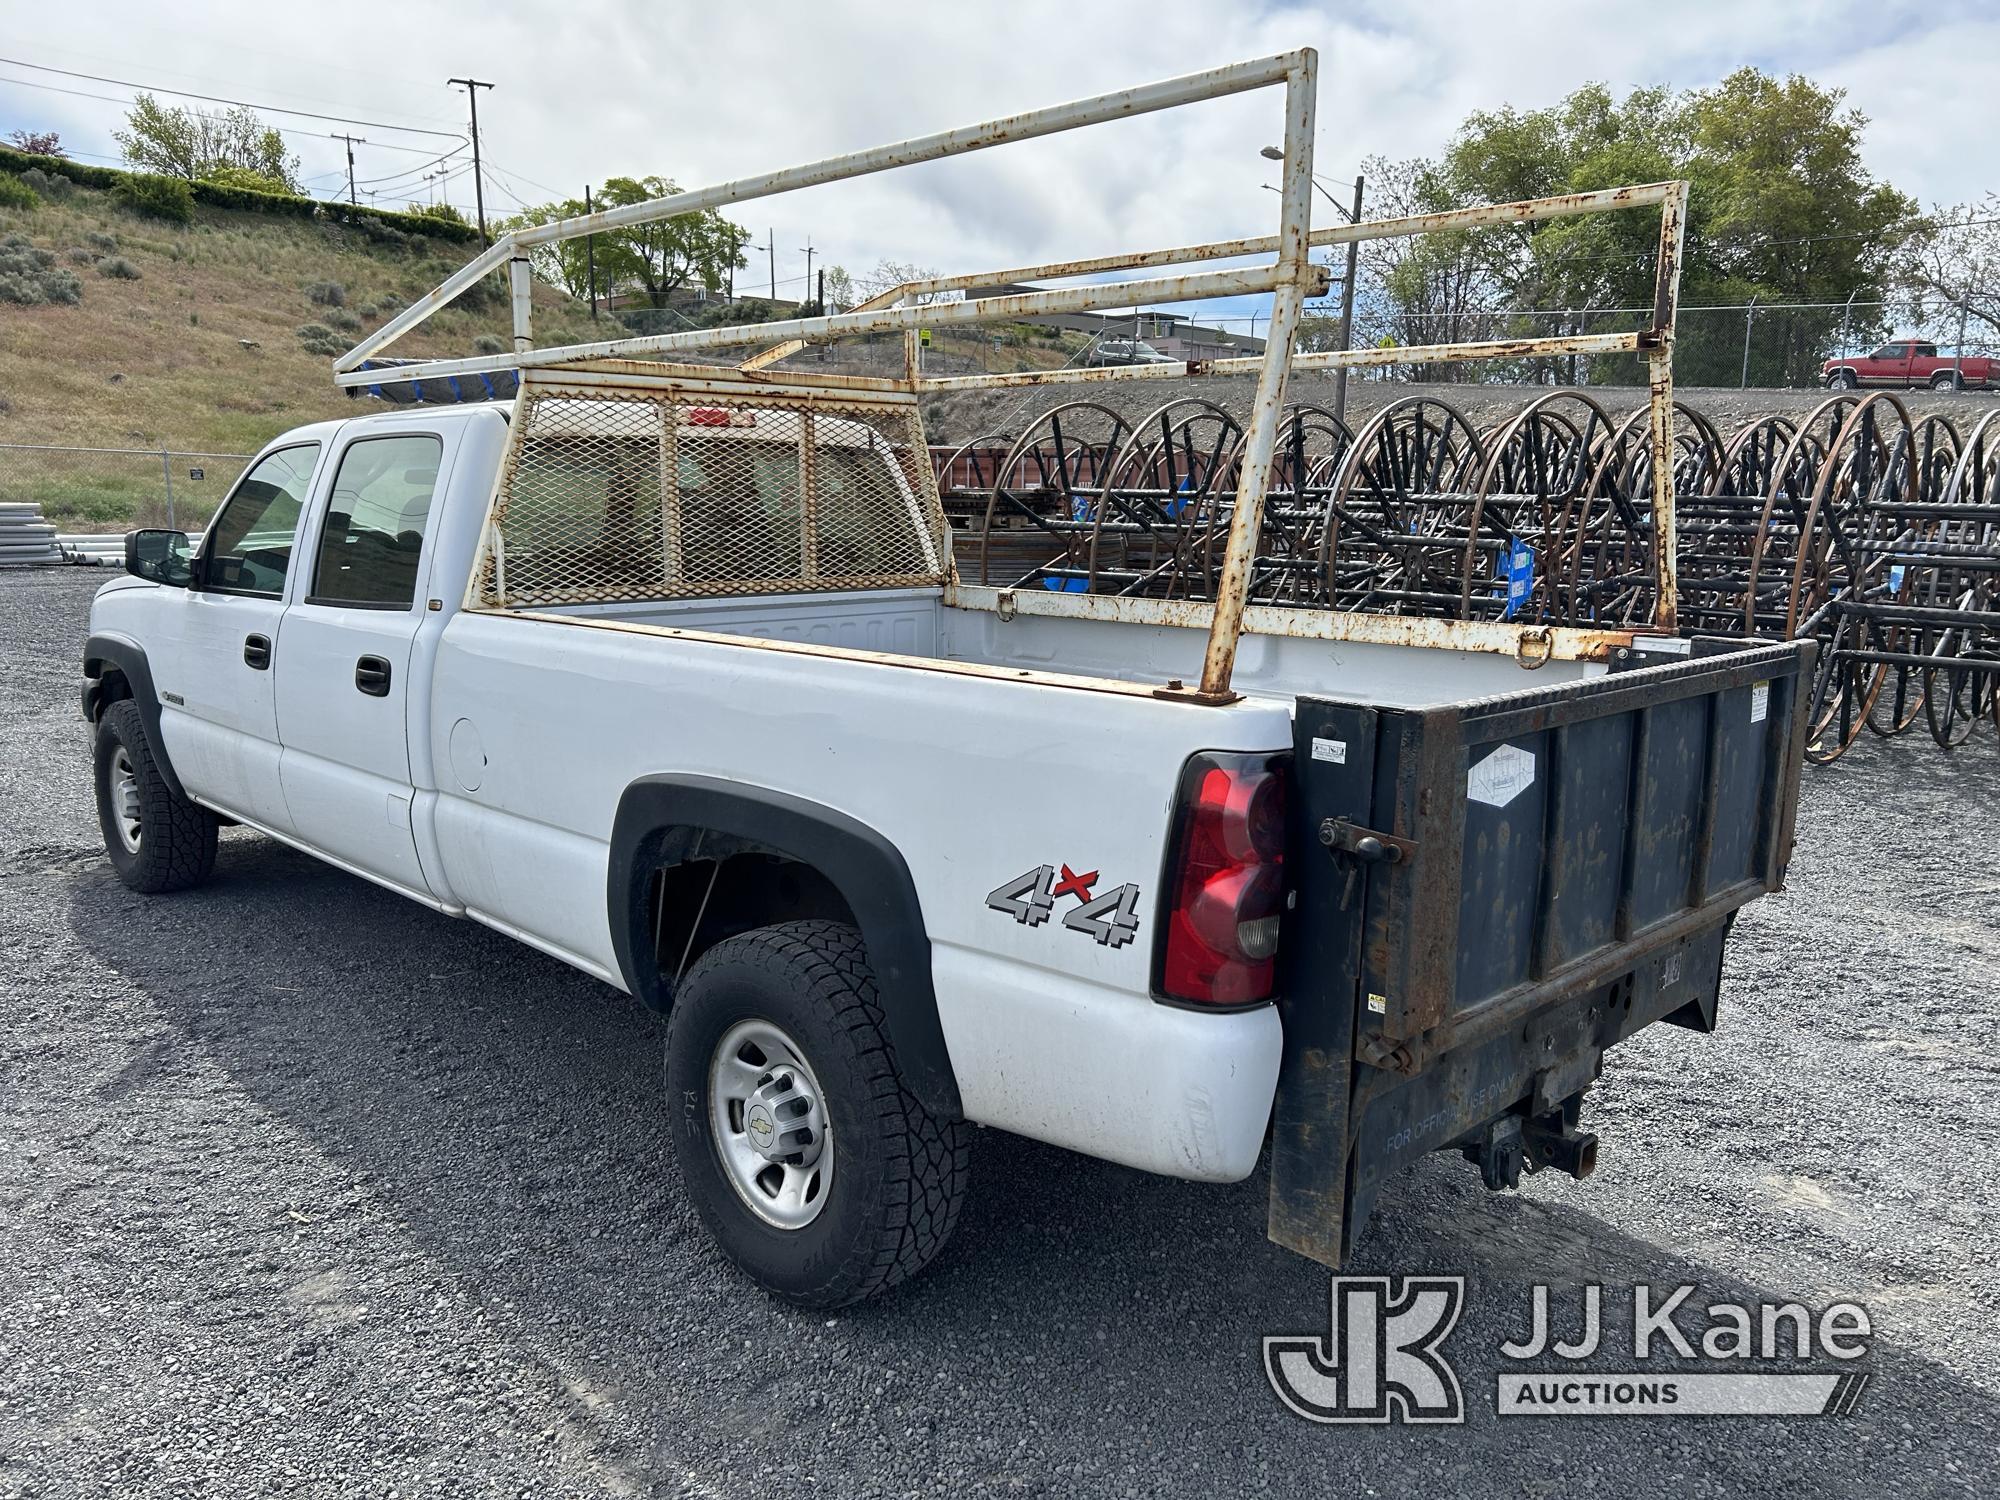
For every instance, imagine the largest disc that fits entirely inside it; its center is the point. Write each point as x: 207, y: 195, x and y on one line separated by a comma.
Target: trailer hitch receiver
x: 1511, y: 1144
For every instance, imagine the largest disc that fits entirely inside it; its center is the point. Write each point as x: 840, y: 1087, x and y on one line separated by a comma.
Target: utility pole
x: 1347, y: 309
x: 590, y: 255
x: 808, y: 248
x: 352, y: 142
x: 821, y: 298
x: 1749, y: 317
x: 770, y: 246
x: 472, y: 87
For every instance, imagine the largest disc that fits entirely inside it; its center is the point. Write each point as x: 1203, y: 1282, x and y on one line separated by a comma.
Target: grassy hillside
x: 124, y: 331
x: 189, y: 337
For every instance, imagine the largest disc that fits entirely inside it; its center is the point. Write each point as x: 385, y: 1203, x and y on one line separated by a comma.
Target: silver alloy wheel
x: 768, y: 1118
x: 125, y: 799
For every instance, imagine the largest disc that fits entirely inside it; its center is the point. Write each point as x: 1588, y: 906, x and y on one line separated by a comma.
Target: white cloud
x: 708, y: 92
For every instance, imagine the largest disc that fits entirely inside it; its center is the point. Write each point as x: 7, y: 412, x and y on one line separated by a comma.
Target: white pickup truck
x: 681, y: 689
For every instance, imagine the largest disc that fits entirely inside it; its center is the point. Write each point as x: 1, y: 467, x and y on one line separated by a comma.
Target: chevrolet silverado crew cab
x: 1909, y: 362
x: 675, y: 681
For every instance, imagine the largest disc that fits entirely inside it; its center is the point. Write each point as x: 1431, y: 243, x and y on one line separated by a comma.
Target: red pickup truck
x: 1907, y: 362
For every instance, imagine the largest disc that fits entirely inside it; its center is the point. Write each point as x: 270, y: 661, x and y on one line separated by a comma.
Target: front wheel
x: 1842, y: 380
x: 157, y: 841
x: 813, y: 1166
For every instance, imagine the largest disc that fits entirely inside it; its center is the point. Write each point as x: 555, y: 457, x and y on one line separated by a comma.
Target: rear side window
x: 250, y: 545
x: 376, y: 521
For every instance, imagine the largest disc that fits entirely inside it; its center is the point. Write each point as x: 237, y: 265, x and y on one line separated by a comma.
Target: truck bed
x: 920, y: 623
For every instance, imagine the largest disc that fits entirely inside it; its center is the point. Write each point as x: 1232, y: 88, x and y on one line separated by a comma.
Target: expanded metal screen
x: 656, y: 492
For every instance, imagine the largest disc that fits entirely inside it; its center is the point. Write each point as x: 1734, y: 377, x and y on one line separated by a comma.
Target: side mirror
x: 160, y: 557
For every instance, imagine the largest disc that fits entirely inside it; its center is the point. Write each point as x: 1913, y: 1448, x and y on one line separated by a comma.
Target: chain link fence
x: 1729, y: 346
x: 117, y: 489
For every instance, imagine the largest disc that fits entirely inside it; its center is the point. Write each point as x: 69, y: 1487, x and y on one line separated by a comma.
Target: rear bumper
x: 1106, y: 1072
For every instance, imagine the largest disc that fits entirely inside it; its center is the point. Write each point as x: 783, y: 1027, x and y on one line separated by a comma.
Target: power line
x: 314, y: 65
x: 272, y: 109
x: 498, y: 171
x: 418, y: 170
x: 304, y: 135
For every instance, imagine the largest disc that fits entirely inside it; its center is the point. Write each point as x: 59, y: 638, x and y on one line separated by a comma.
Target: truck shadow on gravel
x: 507, y: 1116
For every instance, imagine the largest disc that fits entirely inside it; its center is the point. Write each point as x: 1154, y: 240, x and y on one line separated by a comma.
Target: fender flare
x: 106, y: 652
x: 655, y: 813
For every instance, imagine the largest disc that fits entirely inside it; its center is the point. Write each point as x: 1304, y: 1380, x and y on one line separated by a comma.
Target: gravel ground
x: 960, y: 416
x: 306, y: 1190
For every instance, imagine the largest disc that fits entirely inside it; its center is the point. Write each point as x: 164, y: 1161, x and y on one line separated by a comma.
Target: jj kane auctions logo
x: 1382, y: 1357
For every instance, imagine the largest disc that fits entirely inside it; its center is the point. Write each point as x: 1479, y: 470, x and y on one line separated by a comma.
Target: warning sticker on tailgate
x: 1501, y: 776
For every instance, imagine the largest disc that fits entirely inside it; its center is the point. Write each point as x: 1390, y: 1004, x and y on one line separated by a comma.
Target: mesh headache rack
x: 628, y: 479
x: 643, y: 488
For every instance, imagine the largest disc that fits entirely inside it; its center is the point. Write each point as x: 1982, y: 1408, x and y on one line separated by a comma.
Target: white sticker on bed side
x: 1501, y: 776
x: 1333, y: 750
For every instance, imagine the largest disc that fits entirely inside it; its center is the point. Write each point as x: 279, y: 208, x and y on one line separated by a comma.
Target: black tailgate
x: 1511, y: 886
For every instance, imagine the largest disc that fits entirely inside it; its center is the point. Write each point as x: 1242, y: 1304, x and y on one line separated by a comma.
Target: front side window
x: 250, y: 545
x: 373, y: 538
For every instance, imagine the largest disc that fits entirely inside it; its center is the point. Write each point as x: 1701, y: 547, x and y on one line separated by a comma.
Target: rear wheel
x: 157, y: 841
x: 1946, y: 380
x: 813, y: 1166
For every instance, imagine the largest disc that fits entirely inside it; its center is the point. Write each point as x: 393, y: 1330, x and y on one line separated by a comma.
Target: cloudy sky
x: 706, y: 92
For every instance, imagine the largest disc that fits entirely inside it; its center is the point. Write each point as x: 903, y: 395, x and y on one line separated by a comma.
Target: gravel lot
x: 306, y: 1190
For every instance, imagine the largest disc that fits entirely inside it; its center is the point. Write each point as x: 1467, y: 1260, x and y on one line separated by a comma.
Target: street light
x: 1274, y: 153
x: 1353, y: 216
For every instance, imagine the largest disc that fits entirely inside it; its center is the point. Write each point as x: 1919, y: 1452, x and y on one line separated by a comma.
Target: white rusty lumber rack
x: 1289, y: 276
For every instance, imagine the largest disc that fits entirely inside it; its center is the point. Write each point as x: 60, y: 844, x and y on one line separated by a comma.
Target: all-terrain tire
x: 175, y: 844
x: 898, y: 1173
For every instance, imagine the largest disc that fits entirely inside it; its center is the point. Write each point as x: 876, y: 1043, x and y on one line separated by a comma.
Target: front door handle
x: 257, y: 651
x: 371, y: 675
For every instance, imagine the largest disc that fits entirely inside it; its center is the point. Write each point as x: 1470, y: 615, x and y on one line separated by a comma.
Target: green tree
x: 841, y: 292
x: 1782, y: 208
x: 656, y: 260
x: 202, y: 145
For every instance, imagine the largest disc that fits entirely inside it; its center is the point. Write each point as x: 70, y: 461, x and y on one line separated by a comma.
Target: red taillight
x: 1226, y: 881
x: 718, y: 416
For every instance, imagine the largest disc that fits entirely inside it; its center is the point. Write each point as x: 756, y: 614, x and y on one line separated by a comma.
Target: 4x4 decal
x: 1030, y: 899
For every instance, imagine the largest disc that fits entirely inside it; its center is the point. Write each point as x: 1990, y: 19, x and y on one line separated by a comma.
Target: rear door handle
x: 257, y: 651
x: 371, y: 675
